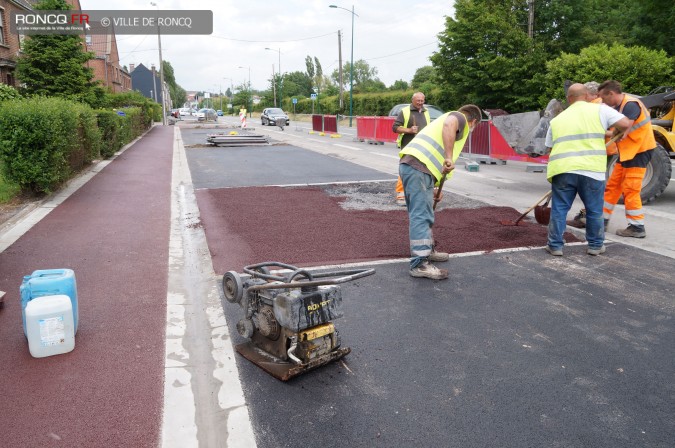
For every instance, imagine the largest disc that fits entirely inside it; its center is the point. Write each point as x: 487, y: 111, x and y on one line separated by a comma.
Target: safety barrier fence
x: 488, y: 144
x: 375, y: 129
x: 324, y: 123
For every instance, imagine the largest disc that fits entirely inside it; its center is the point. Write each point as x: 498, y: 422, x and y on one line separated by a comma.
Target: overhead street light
x: 250, y: 99
x: 280, y: 95
x: 351, y: 64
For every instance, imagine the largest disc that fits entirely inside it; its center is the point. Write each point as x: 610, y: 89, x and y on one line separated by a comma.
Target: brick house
x: 105, y: 65
x: 10, y: 44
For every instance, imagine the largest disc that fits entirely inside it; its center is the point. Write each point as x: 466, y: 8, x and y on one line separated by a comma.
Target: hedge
x: 364, y: 104
x: 43, y: 141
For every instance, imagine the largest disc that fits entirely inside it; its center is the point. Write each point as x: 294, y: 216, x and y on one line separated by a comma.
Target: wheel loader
x: 661, y: 104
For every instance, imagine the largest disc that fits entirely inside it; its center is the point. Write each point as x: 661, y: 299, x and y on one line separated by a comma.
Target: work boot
x: 428, y: 270
x: 554, y: 252
x: 596, y: 250
x: 438, y: 256
x: 632, y: 231
x: 579, y: 220
x: 400, y: 200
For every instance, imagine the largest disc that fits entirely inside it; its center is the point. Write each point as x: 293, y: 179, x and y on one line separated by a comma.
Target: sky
x: 394, y: 36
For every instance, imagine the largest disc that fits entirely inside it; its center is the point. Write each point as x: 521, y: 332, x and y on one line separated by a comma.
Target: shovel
x: 437, y: 196
x: 542, y: 213
x: 547, y: 196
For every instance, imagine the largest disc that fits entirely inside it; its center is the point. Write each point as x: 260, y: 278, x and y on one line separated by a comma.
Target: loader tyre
x: 656, y: 178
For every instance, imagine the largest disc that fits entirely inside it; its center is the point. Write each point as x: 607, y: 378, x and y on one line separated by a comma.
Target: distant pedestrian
x: 635, y: 153
x: 577, y: 164
x: 409, y: 121
x: 430, y: 154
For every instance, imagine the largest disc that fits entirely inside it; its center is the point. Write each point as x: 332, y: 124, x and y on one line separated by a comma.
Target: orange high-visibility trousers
x: 626, y: 181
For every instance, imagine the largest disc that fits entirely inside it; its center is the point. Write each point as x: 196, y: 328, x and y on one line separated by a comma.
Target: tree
x: 485, y: 57
x: 365, y: 77
x: 297, y: 84
x: 637, y: 68
x: 54, y: 64
x: 178, y: 94
x: 399, y: 85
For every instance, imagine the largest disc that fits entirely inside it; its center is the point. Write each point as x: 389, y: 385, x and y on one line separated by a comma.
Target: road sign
x: 295, y: 101
x: 313, y: 96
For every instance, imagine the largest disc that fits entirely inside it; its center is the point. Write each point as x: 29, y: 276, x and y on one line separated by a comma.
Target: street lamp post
x: 250, y: 99
x: 280, y: 94
x: 161, y: 69
x: 351, y: 65
x: 231, y: 89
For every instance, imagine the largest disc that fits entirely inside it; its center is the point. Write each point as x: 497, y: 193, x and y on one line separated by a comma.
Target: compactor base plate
x: 281, y: 369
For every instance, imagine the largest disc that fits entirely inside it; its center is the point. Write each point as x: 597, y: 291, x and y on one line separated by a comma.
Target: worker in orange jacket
x: 635, y: 151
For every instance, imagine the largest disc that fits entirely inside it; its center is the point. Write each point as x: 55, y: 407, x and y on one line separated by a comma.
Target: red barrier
x: 487, y: 142
x: 499, y: 149
x: 330, y: 124
x: 365, y: 128
x: 317, y: 123
x: 383, y: 132
x: 375, y: 129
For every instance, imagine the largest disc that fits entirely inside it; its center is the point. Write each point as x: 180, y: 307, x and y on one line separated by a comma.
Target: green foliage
x: 178, y: 94
x: 8, y: 93
x: 8, y: 189
x: 637, y: 68
x: 486, y: 58
x: 44, y: 140
x: 149, y: 110
x: 55, y: 64
x: 116, y: 130
x: 364, y: 77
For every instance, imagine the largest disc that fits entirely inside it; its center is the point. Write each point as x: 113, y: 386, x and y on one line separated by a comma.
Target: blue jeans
x: 565, y: 188
x: 419, y: 198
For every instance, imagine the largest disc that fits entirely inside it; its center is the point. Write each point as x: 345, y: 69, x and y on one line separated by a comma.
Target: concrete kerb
x: 24, y: 219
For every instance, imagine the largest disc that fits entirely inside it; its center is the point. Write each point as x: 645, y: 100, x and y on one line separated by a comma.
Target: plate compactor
x: 288, y: 318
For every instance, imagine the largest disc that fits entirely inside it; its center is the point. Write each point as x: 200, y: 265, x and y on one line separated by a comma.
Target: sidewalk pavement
x: 114, y: 233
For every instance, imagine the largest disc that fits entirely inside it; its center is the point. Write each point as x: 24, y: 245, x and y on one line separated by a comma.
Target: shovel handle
x: 437, y: 196
x: 546, y: 196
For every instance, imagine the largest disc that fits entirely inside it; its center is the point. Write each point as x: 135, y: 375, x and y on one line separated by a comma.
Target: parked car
x: 434, y: 112
x: 206, y: 115
x: 184, y: 111
x: 219, y: 112
x: 270, y: 116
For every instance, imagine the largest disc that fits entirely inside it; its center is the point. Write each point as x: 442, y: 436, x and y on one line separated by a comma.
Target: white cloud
x: 383, y: 32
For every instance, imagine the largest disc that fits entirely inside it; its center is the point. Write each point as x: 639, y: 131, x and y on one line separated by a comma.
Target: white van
x: 185, y: 111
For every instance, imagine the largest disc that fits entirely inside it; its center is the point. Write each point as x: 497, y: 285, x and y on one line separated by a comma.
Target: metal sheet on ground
x: 515, y: 349
x: 270, y: 165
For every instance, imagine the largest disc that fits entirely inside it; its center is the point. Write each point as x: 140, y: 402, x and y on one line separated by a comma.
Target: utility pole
x: 342, y: 87
x: 530, y: 23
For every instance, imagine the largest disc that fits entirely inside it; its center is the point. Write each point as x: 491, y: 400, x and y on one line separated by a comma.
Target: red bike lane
x: 113, y: 232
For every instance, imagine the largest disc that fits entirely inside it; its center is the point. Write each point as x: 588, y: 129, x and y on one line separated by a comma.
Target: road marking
x: 348, y: 147
x: 386, y: 155
x: 199, y: 357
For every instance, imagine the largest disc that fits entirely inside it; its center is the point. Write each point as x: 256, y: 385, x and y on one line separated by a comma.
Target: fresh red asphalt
x: 114, y: 233
x: 305, y: 226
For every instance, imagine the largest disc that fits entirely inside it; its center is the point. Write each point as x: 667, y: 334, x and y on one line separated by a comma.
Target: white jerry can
x: 50, y: 327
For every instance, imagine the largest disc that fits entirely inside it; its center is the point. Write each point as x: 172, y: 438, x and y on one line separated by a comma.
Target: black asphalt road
x: 270, y: 165
x: 514, y: 350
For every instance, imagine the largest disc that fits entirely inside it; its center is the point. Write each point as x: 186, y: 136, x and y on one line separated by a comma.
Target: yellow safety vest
x: 406, y: 118
x: 578, y: 141
x: 427, y: 146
